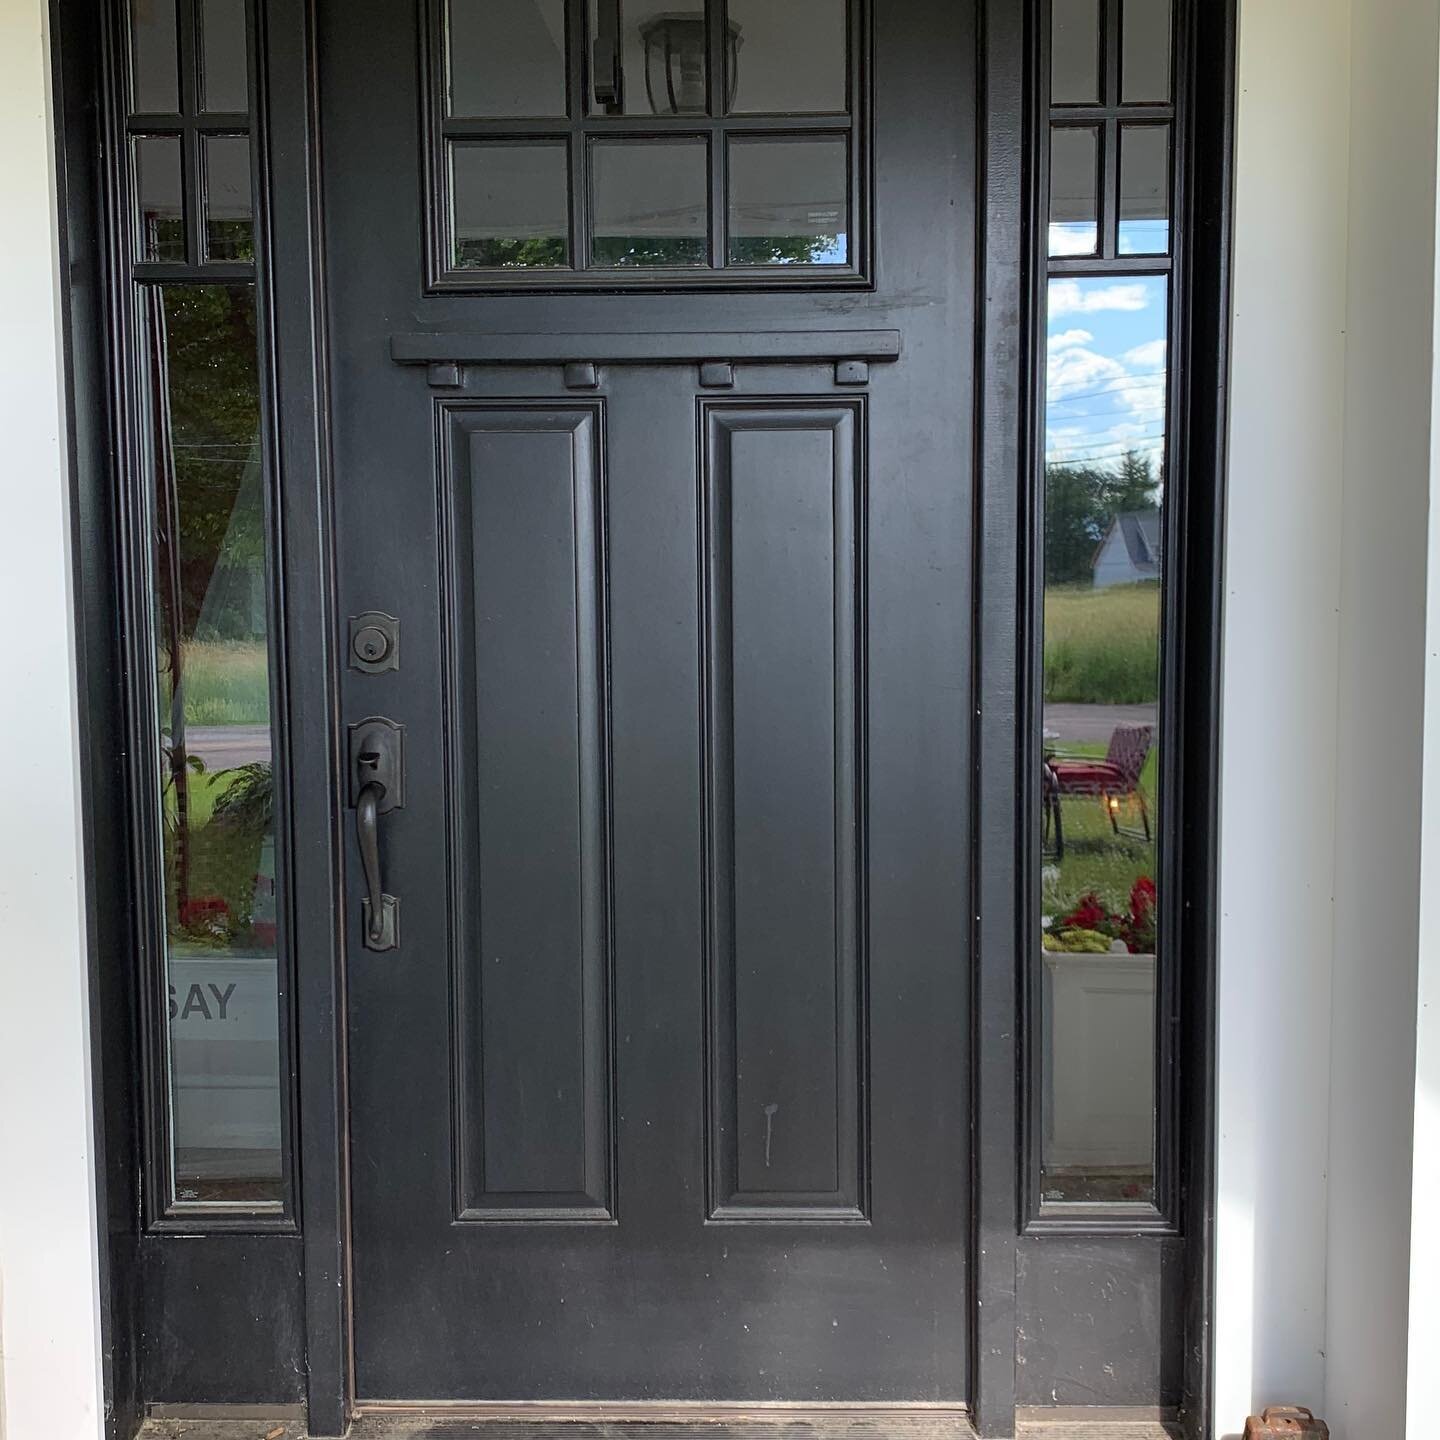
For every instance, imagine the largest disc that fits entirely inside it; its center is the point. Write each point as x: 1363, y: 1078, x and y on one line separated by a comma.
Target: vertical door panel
x: 784, y: 777
x: 528, y: 811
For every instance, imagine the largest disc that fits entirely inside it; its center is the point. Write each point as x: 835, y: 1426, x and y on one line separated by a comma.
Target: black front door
x: 651, y: 332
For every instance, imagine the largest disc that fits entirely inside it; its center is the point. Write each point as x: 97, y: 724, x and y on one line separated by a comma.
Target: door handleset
x: 377, y: 786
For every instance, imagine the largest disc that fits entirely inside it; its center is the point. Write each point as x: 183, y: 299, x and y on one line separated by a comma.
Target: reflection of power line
x: 1090, y: 449
x: 1063, y: 461
x: 1102, y: 440
x: 1130, y: 379
x: 1055, y: 424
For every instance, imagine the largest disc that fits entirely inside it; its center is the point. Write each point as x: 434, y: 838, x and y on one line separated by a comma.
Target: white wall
x: 49, y: 1312
x: 1394, y: 67
x: 1326, y: 574
x: 1281, y: 669
x: 1424, y: 1336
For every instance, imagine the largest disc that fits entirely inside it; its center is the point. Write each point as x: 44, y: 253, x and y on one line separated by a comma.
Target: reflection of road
x: 1088, y: 724
x: 222, y: 747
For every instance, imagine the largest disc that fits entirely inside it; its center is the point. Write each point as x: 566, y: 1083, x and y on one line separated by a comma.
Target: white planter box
x: 1100, y: 1040
x: 225, y: 1049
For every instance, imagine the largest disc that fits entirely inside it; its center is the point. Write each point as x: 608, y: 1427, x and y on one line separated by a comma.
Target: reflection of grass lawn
x: 226, y: 683
x: 1102, y: 647
x: 1095, y: 857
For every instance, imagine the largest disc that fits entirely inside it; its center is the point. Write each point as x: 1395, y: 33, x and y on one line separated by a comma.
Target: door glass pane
x: 225, y: 69
x: 159, y: 191
x: 650, y: 203
x: 1145, y: 50
x: 506, y: 57
x: 1144, y: 189
x: 511, y: 206
x: 789, y: 202
x: 216, y: 787
x: 655, y: 65
x: 154, y: 58
x: 1075, y: 52
x: 229, y: 218
x: 787, y: 59
x: 1074, y: 189
x: 1104, y: 505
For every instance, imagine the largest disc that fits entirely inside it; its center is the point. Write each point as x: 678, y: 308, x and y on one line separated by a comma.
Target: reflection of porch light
x: 675, y: 63
x: 1114, y: 805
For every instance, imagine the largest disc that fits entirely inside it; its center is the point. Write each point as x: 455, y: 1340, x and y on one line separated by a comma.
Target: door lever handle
x: 377, y: 785
x: 367, y: 832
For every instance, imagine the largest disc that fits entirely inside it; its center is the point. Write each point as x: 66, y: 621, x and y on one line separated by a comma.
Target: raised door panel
x: 522, y: 500
x: 783, y: 594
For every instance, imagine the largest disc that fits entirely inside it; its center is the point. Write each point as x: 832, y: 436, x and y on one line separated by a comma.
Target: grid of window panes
x: 1105, y: 465
x: 625, y: 139
x: 202, y: 481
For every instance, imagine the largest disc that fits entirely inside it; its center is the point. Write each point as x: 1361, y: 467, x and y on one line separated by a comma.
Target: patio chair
x: 1111, y: 780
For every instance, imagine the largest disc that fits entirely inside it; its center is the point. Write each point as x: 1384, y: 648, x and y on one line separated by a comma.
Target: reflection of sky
x: 1105, y: 368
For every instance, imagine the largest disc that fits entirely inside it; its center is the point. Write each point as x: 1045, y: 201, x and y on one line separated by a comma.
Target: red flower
x: 1088, y: 914
x: 1142, y: 900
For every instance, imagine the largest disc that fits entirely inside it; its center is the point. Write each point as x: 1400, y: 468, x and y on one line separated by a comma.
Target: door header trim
x: 519, y: 348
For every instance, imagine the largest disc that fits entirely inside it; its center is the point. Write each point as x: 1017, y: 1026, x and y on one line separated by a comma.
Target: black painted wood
x: 527, y: 731
x: 220, y: 1319
x: 294, y: 296
x: 840, y: 1270
x: 785, y: 702
x: 700, y: 345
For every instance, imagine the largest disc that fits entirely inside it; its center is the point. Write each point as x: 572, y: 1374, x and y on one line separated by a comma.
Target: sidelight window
x: 1105, y: 959
x: 639, y: 141
x: 203, y: 695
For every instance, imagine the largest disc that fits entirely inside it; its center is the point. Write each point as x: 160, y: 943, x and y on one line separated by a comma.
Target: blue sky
x: 1105, y: 368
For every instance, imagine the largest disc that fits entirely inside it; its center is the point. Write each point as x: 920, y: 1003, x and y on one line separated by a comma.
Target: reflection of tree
x: 1080, y: 502
x: 495, y: 252
x: 629, y: 251
x: 205, y: 415
x: 782, y: 249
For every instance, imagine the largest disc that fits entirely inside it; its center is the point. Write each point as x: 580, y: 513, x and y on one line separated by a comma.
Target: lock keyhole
x: 372, y: 644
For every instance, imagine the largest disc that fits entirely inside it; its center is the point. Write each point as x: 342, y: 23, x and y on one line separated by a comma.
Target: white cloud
x: 1072, y: 238
x: 1149, y: 356
x: 1100, y: 405
x: 1070, y: 297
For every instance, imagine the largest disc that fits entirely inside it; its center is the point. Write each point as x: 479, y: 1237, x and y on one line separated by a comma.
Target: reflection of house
x: 1130, y: 551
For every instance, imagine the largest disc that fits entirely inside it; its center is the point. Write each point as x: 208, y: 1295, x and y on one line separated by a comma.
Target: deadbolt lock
x: 374, y: 642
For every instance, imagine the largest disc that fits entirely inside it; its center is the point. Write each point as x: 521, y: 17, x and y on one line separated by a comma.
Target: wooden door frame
x: 136, y: 1262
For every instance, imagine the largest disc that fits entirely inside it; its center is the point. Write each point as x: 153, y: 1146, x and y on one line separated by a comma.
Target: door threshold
x: 665, y: 1421
x: 663, y: 1412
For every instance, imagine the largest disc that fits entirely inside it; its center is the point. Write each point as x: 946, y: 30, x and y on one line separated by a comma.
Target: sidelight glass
x: 651, y: 203
x: 205, y: 476
x: 505, y: 58
x: 224, y: 63
x: 788, y: 59
x: 1075, y: 52
x: 160, y: 198
x: 154, y: 58
x: 1144, y: 219
x: 789, y: 202
x: 648, y: 57
x: 1103, y: 522
x: 1074, y: 189
x: 229, y: 207
x: 1145, y: 51
x: 511, y: 205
